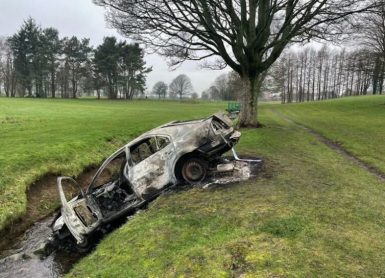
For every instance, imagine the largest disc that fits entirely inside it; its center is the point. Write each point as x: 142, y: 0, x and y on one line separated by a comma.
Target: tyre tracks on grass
x: 335, y: 147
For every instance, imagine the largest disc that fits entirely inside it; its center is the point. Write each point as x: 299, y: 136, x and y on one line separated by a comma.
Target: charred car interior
x: 177, y: 152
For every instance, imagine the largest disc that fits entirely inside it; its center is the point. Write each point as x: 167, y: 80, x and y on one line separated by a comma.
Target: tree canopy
x: 160, y: 89
x: 248, y: 36
x: 181, y: 86
x: 36, y: 62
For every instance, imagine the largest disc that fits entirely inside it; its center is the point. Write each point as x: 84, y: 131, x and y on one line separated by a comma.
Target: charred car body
x: 140, y: 170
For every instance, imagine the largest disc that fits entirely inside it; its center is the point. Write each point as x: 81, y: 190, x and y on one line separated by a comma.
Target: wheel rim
x: 193, y: 172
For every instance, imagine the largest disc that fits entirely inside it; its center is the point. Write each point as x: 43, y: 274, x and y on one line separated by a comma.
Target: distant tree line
x: 36, y: 62
x: 225, y: 87
x: 311, y: 74
x: 315, y: 74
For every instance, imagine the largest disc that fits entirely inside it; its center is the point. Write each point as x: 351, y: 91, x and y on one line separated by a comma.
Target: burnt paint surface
x: 157, y: 171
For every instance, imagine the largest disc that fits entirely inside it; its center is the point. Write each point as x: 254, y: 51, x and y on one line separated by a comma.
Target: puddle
x: 29, y: 257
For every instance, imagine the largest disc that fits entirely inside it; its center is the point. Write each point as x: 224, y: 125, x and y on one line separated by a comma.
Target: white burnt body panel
x: 143, y: 168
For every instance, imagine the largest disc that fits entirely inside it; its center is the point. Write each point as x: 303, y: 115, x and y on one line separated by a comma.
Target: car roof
x: 176, y: 128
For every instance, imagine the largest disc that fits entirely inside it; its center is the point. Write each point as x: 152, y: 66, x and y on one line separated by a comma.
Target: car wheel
x: 194, y: 170
x: 84, y: 247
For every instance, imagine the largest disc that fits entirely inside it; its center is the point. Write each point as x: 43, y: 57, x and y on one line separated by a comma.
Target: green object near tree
x: 233, y: 107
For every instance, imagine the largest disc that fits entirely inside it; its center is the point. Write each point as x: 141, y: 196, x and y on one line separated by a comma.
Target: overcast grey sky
x: 84, y: 19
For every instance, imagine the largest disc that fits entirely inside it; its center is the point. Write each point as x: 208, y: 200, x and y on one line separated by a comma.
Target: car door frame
x: 132, y: 168
x: 76, y: 227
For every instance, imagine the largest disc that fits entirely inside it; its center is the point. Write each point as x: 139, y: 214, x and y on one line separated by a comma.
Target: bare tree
x: 371, y: 32
x: 2, y: 63
x: 205, y: 95
x: 235, y: 85
x: 214, y: 93
x: 160, y: 89
x: 248, y: 36
x: 194, y: 95
x: 221, y: 82
x: 7, y: 70
x: 181, y: 86
x: 308, y: 74
x: 278, y: 74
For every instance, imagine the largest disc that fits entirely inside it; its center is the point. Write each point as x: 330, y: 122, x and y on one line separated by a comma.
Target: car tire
x: 194, y: 170
x: 83, y: 247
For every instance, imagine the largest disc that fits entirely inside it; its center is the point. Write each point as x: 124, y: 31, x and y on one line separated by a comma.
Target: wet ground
x: 30, y: 257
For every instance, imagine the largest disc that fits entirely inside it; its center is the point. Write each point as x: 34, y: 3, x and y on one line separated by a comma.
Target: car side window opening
x: 147, y: 147
x: 112, y: 171
x: 162, y: 142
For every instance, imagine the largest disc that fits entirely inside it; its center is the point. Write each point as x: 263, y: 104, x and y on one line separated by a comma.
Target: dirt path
x: 336, y: 147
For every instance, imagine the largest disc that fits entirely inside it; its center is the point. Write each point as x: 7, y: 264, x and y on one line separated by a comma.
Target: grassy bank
x: 356, y: 123
x: 310, y: 213
x: 64, y: 136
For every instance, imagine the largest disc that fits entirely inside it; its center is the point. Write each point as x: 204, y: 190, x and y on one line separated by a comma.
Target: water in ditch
x: 28, y: 258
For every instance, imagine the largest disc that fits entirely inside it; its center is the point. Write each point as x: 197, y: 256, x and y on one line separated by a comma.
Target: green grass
x: 356, y: 123
x: 310, y: 213
x: 64, y: 136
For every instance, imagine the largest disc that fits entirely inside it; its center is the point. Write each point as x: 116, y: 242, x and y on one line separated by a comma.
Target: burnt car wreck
x: 177, y: 152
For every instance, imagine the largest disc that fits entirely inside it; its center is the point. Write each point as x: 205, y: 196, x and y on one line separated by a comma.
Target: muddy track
x: 336, y: 147
x: 42, y: 200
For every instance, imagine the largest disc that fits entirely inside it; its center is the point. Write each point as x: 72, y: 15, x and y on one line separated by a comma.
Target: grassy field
x: 310, y: 213
x: 63, y: 137
x: 357, y: 124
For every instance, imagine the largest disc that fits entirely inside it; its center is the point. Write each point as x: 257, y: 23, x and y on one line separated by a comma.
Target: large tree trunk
x: 251, y: 87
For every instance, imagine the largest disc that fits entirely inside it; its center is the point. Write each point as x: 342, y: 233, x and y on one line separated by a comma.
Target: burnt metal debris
x: 174, y: 153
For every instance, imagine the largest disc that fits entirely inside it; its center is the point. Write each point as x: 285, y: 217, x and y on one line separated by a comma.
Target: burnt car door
x: 149, y: 169
x: 78, y: 214
x: 105, y: 198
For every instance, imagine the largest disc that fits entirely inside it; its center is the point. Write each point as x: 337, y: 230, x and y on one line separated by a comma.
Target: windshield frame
x: 105, y: 163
